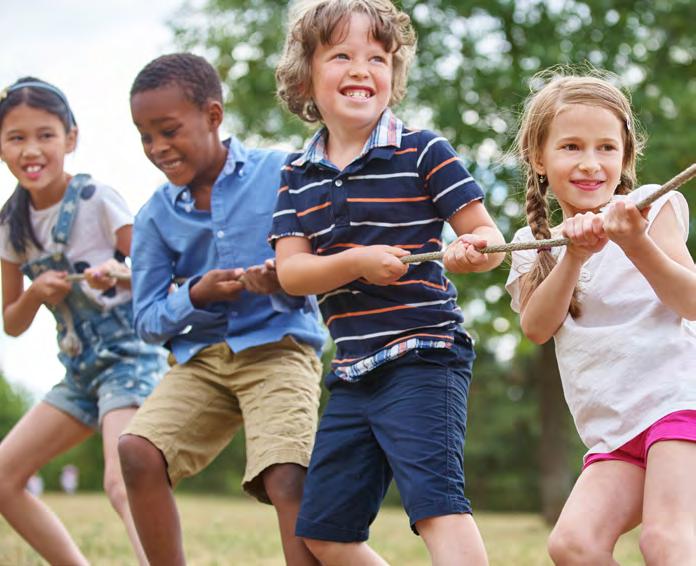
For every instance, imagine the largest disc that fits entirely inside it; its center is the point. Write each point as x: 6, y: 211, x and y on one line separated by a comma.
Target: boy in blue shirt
x: 242, y: 352
x: 365, y: 193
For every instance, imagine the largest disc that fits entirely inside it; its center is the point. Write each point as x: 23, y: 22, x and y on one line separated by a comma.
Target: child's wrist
x: 198, y: 299
x: 636, y: 246
x: 575, y: 258
x: 354, y: 262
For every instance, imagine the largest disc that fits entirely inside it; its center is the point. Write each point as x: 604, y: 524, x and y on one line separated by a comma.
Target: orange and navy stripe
x: 399, y: 192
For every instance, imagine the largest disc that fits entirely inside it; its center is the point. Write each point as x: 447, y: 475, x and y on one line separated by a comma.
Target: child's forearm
x: 673, y: 283
x: 309, y: 274
x: 548, y: 306
x: 18, y: 316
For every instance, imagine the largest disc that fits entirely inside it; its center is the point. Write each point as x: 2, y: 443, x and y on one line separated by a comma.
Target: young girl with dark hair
x: 54, y: 225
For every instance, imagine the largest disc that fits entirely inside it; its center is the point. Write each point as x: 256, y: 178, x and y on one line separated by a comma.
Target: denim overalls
x: 107, y: 365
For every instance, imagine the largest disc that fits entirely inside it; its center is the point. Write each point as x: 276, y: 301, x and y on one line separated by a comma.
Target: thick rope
x: 674, y: 183
x: 81, y: 276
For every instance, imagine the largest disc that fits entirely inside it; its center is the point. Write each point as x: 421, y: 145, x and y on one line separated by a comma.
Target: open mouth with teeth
x: 33, y: 170
x: 358, y: 93
x: 169, y: 165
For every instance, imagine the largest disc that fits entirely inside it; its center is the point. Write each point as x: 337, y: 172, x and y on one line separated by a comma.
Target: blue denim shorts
x: 405, y: 419
x: 127, y: 371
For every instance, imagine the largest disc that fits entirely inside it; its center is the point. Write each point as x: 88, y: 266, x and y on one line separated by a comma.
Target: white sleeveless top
x: 628, y: 360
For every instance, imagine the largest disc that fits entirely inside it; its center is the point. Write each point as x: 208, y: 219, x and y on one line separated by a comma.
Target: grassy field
x: 224, y: 531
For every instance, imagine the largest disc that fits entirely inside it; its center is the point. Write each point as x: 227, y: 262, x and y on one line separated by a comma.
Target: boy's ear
x: 215, y: 113
x: 71, y: 140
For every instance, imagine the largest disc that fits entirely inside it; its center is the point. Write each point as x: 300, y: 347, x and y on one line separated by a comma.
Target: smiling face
x: 33, y: 144
x: 179, y: 138
x: 582, y: 157
x: 352, y: 78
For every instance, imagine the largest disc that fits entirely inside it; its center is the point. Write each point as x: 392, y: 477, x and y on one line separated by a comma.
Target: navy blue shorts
x: 406, y: 418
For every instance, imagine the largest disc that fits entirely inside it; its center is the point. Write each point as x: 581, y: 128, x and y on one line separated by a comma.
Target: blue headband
x: 44, y: 86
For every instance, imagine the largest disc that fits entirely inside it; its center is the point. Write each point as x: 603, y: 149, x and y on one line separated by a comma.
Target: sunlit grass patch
x: 223, y: 531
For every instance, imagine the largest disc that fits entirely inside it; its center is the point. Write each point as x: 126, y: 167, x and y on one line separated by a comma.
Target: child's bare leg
x: 344, y: 553
x: 453, y: 540
x: 112, y: 424
x: 41, y: 435
x: 605, y: 503
x: 283, y: 484
x: 668, y: 533
x: 151, y: 500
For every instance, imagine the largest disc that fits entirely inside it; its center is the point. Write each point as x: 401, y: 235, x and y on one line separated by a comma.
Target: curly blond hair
x: 559, y: 89
x: 314, y: 22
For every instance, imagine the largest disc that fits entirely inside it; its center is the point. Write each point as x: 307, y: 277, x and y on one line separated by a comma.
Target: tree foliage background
x: 475, y: 65
x: 476, y: 62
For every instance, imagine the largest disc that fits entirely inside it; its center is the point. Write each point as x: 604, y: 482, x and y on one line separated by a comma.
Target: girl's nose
x: 31, y: 149
x: 589, y: 162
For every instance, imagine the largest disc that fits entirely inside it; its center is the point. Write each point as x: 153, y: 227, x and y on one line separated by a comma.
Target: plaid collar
x: 387, y: 133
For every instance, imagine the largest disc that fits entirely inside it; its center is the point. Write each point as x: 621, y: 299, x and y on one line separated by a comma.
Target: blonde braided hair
x: 559, y: 90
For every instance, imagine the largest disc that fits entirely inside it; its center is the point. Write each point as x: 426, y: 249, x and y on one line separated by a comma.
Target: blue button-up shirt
x: 172, y: 240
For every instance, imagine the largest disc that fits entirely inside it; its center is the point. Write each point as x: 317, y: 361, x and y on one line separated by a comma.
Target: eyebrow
x: 40, y: 128
x: 158, y: 121
x: 580, y: 138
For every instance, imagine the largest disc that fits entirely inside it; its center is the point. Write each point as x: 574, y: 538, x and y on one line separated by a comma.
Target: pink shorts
x: 680, y: 425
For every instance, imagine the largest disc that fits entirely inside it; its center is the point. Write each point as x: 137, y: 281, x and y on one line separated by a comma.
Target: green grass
x: 221, y: 531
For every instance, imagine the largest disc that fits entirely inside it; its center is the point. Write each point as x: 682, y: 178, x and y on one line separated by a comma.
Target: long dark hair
x: 44, y: 96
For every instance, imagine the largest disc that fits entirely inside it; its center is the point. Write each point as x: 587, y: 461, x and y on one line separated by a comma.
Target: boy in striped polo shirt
x: 366, y: 192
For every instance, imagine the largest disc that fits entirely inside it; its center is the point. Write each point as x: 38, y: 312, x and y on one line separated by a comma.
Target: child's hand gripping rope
x: 674, y: 183
x: 217, y: 285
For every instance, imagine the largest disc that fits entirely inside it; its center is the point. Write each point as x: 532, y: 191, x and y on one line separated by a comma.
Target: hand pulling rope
x: 686, y: 175
x: 113, y: 275
x: 674, y: 183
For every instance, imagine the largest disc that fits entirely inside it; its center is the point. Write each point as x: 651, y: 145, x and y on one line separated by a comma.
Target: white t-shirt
x: 100, y: 213
x: 628, y: 360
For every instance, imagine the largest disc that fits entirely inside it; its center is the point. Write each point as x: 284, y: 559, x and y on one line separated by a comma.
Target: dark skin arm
x: 215, y: 286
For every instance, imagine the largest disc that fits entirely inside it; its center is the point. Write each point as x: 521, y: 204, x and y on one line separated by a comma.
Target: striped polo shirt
x: 400, y: 190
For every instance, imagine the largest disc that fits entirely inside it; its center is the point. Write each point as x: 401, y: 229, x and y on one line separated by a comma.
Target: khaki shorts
x: 273, y: 390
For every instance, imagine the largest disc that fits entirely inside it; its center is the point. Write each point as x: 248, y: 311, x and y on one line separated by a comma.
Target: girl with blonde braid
x: 618, y: 301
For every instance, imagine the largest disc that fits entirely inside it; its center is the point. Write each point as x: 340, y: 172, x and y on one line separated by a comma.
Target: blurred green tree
x: 14, y: 402
x: 476, y: 62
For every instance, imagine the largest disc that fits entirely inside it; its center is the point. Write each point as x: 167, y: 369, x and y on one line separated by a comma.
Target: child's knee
x: 570, y: 546
x: 324, y: 550
x: 660, y: 542
x: 284, y: 483
x: 10, y: 486
x: 140, y: 459
x: 12, y: 478
x: 115, y: 489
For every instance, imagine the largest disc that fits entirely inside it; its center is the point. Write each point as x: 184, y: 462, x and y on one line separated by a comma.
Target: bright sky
x: 92, y: 51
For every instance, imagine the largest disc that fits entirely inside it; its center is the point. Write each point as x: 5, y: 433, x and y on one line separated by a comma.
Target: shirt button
x: 220, y: 233
x: 338, y: 182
